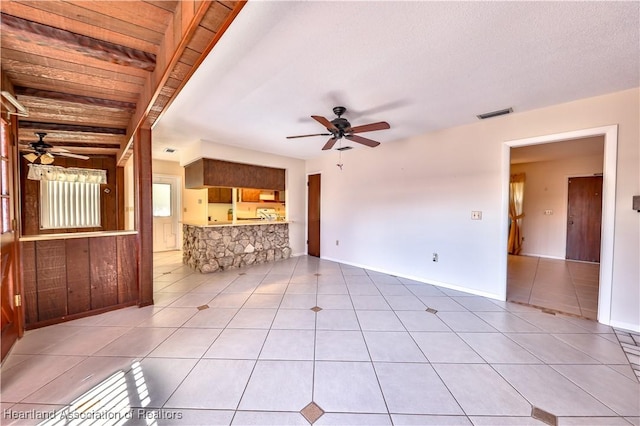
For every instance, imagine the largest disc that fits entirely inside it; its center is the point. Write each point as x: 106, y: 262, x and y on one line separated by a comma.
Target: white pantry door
x: 166, y: 213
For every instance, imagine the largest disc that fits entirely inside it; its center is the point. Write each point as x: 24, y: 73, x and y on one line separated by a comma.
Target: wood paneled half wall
x: 68, y: 278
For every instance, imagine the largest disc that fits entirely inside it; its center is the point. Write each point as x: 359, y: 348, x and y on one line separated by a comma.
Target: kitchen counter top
x: 70, y: 235
x: 239, y: 223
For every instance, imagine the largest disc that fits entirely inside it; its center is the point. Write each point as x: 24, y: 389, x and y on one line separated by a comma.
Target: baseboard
x: 422, y: 280
x: 625, y: 326
x: 544, y: 256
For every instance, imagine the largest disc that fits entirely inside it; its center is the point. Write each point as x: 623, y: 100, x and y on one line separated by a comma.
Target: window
x: 69, y: 198
x: 161, y: 199
x: 5, y: 181
x: 69, y: 204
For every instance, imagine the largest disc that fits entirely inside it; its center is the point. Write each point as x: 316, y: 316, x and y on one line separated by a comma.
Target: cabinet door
x: 213, y: 194
x: 250, y: 195
x: 220, y: 195
x: 225, y: 195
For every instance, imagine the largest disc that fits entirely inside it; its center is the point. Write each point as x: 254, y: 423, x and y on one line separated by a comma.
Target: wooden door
x: 313, y: 216
x: 584, y: 218
x: 11, y: 314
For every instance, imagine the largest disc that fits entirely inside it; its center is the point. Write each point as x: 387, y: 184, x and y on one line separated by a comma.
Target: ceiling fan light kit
x: 339, y: 128
x: 44, y: 153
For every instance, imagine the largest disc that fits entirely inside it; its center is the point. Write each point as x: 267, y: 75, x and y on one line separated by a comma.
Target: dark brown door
x: 11, y: 320
x: 313, y: 216
x: 584, y: 218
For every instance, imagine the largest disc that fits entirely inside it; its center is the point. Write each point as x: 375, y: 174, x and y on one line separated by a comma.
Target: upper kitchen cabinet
x: 220, y: 195
x: 250, y: 195
x: 207, y: 172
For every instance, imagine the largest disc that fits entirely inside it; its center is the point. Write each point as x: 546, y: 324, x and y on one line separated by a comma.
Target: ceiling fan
x: 340, y: 127
x: 43, y: 153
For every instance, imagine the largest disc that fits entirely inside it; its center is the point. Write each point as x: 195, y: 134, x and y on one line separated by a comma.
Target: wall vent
x: 344, y: 148
x: 494, y: 113
x: 169, y: 150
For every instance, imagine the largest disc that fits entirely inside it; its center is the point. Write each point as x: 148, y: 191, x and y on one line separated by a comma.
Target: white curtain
x: 516, y: 213
x: 70, y: 174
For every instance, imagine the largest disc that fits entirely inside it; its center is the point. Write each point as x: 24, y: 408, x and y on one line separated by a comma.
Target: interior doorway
x: 167, y: 234
x: 583, y: 282
x: 313, y: 215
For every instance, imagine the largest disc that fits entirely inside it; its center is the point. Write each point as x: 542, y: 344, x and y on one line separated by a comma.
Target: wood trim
x: 67, y: 97
x: 24, y: 124
x: 144, y: 214
x: 186, y: 20
x: 66, y: 40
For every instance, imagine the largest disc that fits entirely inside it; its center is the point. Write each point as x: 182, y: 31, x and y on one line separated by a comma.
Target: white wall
x: 393, y: 206
x: 546, y: 189
x: 295, y: 181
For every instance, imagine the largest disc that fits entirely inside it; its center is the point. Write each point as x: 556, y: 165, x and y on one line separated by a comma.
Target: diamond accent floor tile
x: 544, y: 416
x: 203, y: 307
x: 312, y: 412
x: 431, y: 311
x: 316, y: 309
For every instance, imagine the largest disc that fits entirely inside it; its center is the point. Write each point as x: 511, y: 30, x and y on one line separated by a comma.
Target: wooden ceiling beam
x: 70, y: 128
x: 186, y: 21
x: 54, y: 37
x: 67, y: 97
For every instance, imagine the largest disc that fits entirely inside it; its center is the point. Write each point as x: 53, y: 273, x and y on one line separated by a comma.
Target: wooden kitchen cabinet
x: 220, y: 195
x: 250, y: 195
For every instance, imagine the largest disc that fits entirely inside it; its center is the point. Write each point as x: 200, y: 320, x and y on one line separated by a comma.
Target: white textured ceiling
x: 421, y: 66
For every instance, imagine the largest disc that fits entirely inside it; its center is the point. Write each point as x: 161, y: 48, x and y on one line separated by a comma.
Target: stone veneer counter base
x: 209, y: 248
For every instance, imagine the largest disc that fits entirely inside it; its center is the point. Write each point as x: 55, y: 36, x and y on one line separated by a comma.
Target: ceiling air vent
x: 344, y: 148
x: 169, y: 150
x: 494, y: 113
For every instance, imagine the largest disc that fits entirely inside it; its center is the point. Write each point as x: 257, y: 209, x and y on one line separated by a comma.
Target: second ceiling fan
x: 341, y: 128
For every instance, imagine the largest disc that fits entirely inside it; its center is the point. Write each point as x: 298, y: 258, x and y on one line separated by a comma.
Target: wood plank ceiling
x: 91, y: 73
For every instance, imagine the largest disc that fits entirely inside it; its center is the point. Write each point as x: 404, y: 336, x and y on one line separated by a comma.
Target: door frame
x: 177, y: 202
x: 10, y: 240
x: 609, y: 181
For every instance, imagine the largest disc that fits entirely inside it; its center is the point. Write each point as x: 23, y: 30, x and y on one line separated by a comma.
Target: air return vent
x: 169, y: 150
x: 344, y: 148
x: 495, y: 113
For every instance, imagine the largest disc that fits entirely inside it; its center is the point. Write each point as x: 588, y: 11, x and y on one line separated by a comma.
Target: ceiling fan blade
x: 381, y: 125
x: 364, y: 141
x: 306, y: 136
x: 56, y: 149
x: 326, y: 123
x: 330, y: 143
x: 70, y: 155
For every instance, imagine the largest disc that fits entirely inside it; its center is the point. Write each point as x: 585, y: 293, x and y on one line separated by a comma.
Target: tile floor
x: 561, y: 285
x: 244, y: 347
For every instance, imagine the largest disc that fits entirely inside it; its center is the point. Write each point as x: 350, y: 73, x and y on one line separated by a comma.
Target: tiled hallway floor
x: 561, y: 285
x: 244, y: 347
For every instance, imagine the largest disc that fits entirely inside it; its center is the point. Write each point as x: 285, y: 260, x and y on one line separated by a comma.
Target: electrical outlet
x: 476, y: 215
x: 337, y: 242
x: 548, y: 212
x: 435, y: 257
